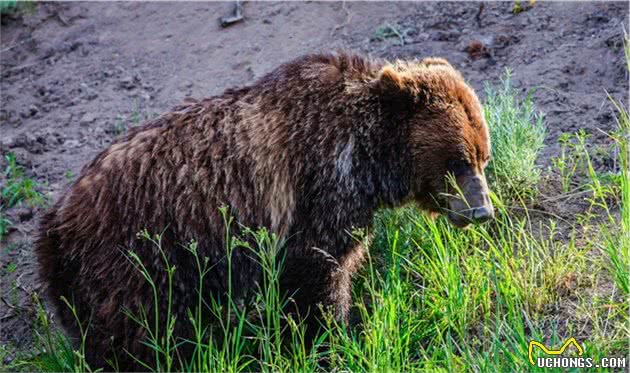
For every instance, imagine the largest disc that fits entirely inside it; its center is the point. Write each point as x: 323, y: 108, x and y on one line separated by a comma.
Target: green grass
x: 17, y: 189
x: 430, y: 297
x: 617, y: 243
x: 570, y: 159
x: 126, y: 122
x: 517, y: 133
x: 518, y: 8
x: 12, y: 6
x: 7, y: 6
x: 4, y: 225
x: 395, y: 31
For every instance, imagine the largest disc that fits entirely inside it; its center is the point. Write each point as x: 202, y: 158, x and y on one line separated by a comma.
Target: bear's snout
x: 472, y: 204
x: 482, y: 214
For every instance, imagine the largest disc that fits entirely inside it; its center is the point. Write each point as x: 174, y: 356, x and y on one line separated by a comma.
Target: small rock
x: 24, y: 214
x: 32, y: 111
x: 28, y: 142
x: 145, y: 96
x: 185, y: 85
x: 503, y: 41
x: 129, y: 82
x: 71, y: 144
x: 4, y: 116
x: 64, y: 118
x: 71, y: 102
x: 480, y: 65
x: 18, y: 141
x: 87, y: 118
x: 445, y: 36
x: 90, y: 96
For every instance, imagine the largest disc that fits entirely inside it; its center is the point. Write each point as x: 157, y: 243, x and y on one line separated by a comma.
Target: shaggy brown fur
x: 309, y: 151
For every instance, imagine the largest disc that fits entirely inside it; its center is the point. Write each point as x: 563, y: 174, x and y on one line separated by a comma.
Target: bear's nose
x: 482, y: 214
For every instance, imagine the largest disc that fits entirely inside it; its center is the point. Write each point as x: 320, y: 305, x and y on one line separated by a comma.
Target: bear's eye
x: 457, y: 166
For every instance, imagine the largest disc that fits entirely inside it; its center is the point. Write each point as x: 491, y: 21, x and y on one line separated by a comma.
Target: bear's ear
x: 406, y: 77
x: 393, y: 83
x: 390, y: 79
x: 397, y: 89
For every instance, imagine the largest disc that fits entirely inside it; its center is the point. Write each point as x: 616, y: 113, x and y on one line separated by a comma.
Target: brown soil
x: 75, y: 75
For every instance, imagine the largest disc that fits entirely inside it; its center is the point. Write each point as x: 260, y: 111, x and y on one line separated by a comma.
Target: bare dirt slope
x: 76, y: 75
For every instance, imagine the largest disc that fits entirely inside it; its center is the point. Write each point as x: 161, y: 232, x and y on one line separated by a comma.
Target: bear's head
x: 447, y: 137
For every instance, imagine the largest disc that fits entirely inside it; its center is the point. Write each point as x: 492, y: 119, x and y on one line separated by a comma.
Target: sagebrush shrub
x: 517, y: 132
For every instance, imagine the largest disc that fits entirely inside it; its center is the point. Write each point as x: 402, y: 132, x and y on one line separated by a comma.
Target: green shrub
x: 617, y: 236
x: 517, y: 133
x: 7, y: 6
x: 5, y: 223
x: 12, y: 6
x: 18, y: 186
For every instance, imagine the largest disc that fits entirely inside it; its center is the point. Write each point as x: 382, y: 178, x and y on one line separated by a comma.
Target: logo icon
x: 567, y: 343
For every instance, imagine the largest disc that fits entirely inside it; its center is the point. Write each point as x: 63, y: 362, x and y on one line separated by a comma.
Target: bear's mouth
x: 459, y: 220
x: 471, y: 203
x: 473, y: 215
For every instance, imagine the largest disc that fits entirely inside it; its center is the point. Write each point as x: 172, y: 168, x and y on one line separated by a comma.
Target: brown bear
x: 310, y: 152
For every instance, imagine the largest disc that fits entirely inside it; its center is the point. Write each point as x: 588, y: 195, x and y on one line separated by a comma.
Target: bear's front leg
x: 319, y: 282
